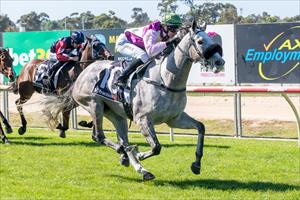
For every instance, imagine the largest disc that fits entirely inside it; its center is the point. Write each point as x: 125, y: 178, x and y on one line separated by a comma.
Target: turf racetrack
x: 40, y: 165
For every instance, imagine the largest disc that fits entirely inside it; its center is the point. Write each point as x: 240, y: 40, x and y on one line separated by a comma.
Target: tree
x: 109, y: 21
x: 292, y: 19
x: 167, y: 6
x: 6, y: 25
x: 207, y: 12
x: 73, y: 21
x: 228, y: 15
x: 264, y: 18
x: 53, y: 25
x: 87, y: 20
x: 140, y: 18
x: 33, y: 21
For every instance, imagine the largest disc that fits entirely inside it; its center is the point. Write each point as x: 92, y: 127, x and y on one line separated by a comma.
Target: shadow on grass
x: 61, y: 144
x: 27, y: 138
x: 215, y: 184
x: 35, y: 142
x: 170, y: 145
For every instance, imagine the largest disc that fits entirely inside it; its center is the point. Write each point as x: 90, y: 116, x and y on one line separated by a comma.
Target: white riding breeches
x: 52, y: 57
x: 126, y: 48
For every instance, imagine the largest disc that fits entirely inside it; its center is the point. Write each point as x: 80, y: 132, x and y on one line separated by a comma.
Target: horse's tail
x: 53, y: 105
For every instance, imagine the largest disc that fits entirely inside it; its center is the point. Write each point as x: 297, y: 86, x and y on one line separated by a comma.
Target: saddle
x: 107, y: 88
x: 44, y: 82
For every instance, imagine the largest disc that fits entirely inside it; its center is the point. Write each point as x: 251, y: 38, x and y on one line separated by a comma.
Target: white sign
x: 227, y: 77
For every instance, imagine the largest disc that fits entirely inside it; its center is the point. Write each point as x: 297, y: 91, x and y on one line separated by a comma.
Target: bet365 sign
x: 25, y: 46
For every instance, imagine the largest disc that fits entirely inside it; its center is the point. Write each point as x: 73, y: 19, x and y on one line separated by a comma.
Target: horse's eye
x: 200, y: 42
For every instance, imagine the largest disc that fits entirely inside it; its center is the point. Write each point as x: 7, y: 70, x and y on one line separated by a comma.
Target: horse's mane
x: 184, y: 29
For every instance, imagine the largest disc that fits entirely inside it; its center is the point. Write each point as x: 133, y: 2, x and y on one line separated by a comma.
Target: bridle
x: 192, y: 42
x: 202, y: 57
x: 4, y: 55
x: 93, y: 56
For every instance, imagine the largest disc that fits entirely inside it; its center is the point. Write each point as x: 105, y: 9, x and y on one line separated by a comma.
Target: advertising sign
x: 1, y: 40
x: 108, y: 37
x: 25, y: 46
x: 268, y: 53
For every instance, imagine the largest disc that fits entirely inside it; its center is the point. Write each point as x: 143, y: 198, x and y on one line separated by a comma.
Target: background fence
x: 256, y: 55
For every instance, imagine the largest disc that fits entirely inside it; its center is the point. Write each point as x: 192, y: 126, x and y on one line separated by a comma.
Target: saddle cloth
x: 42, y: 70
x: 106, y: 87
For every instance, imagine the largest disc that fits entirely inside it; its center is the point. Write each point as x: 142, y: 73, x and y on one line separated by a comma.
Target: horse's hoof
x: 59, y: 126
x: 5, y: 140
x: 21, y: 130
x: 8, y: 130
x: 85, y: 124
x: 94, y: 138
x: 148, y: 176
x: 124, y: 160
x: 62, y: 134
x: 195, y: 167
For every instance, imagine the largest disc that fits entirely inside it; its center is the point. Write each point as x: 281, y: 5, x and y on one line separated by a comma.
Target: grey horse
x: 158, y: 97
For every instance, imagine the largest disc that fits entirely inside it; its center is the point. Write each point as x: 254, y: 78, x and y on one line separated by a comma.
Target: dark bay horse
x: 159, y: 96
x: 6, y: 69
x: 92, y: 50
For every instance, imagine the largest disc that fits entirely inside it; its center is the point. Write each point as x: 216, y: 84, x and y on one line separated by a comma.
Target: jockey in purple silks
x: 145, y: 42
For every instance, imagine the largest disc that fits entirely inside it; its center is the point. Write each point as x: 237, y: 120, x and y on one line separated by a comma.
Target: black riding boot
x: 54, y: 68
x: 122, y: 79
x: 47, y: 80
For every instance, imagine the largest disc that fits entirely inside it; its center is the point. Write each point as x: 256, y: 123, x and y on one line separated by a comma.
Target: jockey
x: 145, y: 42
x: 61, y: 51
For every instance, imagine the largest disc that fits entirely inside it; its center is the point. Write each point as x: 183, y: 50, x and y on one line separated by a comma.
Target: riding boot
x: 54, y: 68
x: 122, y: 79
x: 47, y: 80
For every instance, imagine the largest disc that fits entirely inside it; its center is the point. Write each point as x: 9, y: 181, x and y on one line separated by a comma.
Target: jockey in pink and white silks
x: 145, y: 42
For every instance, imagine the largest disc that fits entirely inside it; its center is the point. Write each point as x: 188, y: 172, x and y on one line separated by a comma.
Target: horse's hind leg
x: 184, y: 121
x: 121, y: 127
x: 99, y: 134
x: 96, y: 109
x: 148, y: 131
x: 2, y: 135
x: 65, y: 125
x: 6, y: 124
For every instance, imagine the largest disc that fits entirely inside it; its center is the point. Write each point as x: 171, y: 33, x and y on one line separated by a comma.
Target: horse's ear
x: 194, y: 25
x: 88, y: 39
x: 203, y: 26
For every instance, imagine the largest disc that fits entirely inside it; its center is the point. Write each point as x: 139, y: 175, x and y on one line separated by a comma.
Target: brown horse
x: 91, y: 51
x: 6, y: 69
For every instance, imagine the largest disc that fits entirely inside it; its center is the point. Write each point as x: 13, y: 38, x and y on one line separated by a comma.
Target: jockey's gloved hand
x: 173, y: 41
x: 168, y: 49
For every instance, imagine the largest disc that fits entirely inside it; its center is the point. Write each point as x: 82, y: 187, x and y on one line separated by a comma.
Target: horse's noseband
x: 211, y: 50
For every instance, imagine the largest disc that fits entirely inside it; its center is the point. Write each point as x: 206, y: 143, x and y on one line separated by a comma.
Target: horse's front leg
x: 2, y: 135
x: 147, y: 129
x: 6, y: 124
x: 184, y: 121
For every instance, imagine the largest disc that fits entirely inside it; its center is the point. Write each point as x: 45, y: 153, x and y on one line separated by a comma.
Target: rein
x: 162, y: 84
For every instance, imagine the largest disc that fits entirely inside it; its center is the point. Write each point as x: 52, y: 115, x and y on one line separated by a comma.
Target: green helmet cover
x: 171, y: 20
